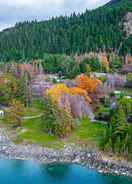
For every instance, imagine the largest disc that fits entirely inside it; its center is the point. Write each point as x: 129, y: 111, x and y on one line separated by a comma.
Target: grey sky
x: 12, y: 11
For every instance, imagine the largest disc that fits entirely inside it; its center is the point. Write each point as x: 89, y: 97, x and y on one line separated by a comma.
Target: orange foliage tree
x: 88, y: 84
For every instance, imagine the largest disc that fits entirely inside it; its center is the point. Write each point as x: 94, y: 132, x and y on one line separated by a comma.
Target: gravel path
x: 32, y: 117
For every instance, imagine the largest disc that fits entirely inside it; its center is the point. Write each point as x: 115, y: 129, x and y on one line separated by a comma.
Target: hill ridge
x: 95, y: 30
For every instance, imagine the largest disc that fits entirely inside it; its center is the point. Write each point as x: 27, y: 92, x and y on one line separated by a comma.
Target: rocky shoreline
x: 70, y: 154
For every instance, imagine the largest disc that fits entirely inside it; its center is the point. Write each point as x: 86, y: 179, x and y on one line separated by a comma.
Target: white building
x: 1, y: 113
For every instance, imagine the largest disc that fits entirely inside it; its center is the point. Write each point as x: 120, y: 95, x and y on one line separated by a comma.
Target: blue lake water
x: 28, y: 172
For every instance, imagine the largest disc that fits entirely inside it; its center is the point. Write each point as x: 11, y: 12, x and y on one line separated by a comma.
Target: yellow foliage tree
x: 81, y: 92
x: 15, y: 113
x: 58, y: 90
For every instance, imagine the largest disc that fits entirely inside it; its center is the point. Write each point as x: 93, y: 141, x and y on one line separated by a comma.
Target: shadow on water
x: 29, y: 172
x: 57, y: 170
x: 110, y: 179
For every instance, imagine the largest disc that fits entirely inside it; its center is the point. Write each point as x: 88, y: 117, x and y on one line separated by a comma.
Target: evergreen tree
x: 97, y: 30
x: 56, y: 121
x: 24, y: 89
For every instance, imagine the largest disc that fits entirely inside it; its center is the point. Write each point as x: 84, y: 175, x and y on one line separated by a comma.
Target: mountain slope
x: 113, y: 2
x: 118, y: 2
x: 100, y: 29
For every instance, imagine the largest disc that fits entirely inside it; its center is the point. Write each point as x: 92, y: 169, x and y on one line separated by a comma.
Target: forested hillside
x: 95, y: 30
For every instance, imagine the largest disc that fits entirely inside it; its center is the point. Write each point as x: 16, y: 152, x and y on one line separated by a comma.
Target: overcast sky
x: 12, y: 11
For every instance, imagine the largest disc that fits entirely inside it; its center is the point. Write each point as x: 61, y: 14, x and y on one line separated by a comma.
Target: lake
x: 29, y: 172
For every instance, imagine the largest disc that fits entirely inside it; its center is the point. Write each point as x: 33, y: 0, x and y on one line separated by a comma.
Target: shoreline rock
x: 70, y: 154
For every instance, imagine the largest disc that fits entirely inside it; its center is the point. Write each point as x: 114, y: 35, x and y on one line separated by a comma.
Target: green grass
x: 31, y: 132
x: 41, y: 138
x: 38, y: 104
x: 31, y: 111
x: 89, y: 130
x: 85, y: 133
x: 35, y: 109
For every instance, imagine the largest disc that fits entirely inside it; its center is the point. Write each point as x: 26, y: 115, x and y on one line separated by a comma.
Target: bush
x: 93, y: 63
x: 129, y: 80
x: 118, y: 135
x: 116, y: 63
x: 129, y: 77
x: 103, y: 79
x: 102, y: 113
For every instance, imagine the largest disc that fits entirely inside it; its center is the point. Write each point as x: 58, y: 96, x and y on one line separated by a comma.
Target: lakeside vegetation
x: 30, y: 131
x: 42, y: 121
x: 55, y: 99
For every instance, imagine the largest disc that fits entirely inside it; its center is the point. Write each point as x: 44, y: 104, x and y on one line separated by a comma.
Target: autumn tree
x: 58, y: 90
x: 8, y: 88
x: 15, y: 113
x: 80, y: 92
x: 87, y: 83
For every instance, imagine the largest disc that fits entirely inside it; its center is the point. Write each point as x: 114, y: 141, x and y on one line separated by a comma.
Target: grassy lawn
x: 86, y: 133
x: 35, y: 109
x: 31, y: 111
x: 89, y: 130
x: 31, y: 132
